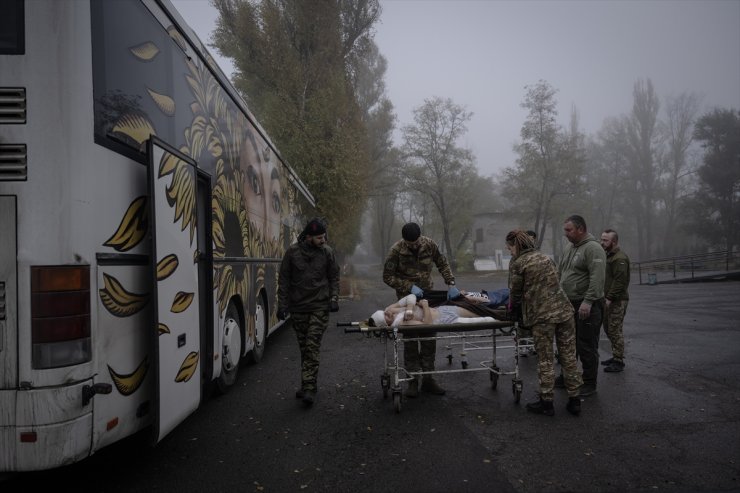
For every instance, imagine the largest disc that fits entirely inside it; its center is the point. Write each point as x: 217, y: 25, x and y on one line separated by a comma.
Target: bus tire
x: 231, y: 349
x: 260, y: 330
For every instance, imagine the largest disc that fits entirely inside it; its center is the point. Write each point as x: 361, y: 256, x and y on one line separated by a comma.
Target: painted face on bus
x: 257, y: 187
x: 273, y: 196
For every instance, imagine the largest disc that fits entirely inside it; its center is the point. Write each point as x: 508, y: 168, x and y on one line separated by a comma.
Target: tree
x: 438, y: 169
x: 716, y: 205
x: 642, y: 139
x: 677, y: 128
x: 549, y: 163
x: 296, y: 65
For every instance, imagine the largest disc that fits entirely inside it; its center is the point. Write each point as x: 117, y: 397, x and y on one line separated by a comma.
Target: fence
x: 677, y: 269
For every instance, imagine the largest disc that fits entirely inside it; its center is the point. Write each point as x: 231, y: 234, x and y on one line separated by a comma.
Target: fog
x: 482, y: 54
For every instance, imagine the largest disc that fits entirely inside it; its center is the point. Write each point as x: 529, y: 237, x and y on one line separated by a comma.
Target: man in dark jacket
x: 308, y: 289
x: 408, y: 270
x: 616, y: 283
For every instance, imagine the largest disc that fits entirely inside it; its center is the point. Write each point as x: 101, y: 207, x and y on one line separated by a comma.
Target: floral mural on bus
x: 254, y: 206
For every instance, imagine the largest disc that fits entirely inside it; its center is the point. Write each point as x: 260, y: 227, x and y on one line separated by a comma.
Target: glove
x: 453, y: 293
x: 334, y: 306
x: 417, y: 291
x: 282, y: 314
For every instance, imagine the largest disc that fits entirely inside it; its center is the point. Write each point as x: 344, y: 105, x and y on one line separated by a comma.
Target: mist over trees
x: 665, y: 174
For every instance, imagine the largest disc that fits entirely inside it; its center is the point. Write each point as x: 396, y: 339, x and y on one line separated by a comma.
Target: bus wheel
x: 260, y: 330
x: 230, y: 350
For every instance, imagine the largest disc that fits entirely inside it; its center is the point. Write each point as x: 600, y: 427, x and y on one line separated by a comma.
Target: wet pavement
x: 669, y: 422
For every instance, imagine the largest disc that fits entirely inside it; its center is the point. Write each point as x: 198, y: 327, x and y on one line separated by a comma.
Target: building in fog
x: 489, y: 240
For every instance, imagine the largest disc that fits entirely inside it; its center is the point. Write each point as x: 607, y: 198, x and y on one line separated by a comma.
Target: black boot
x: 541, y: 407
x: 574, y: 405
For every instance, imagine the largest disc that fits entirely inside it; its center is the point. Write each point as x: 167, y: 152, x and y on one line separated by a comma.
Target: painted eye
x: 254, y: 181
x: 276, y: 202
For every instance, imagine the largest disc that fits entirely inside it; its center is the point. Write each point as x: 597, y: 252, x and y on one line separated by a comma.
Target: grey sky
x: 482, y: 54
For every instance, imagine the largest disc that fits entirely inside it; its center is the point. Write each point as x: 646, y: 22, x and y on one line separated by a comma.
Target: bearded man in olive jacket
x: 308, y: 289
x: 616, y: 283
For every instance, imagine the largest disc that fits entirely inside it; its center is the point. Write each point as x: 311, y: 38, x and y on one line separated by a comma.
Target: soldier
x: 616, y: 282
x: 581, y: 271
x: 408, y: 270
x: 535, y: 290
x: 308, y: 289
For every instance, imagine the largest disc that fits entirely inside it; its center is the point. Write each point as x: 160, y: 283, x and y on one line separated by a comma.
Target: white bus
x: 143, y: 215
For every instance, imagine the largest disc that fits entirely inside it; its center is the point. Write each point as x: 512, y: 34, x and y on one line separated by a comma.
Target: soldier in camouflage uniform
x: 616, y: 282
x: 308, y: 289
x: 535, y: 290
x: 408, y: 270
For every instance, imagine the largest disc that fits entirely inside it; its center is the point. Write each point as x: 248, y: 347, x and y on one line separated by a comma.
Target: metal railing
x: 688, y: 266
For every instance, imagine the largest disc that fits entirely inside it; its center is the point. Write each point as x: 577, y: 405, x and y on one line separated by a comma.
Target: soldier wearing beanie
x: 408, y: 270
x: 308, y: 289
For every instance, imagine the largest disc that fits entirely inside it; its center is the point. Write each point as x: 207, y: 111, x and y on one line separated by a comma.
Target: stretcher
x: 502, y: 334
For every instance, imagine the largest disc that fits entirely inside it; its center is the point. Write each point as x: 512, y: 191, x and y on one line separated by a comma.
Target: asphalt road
x: 669, y: 422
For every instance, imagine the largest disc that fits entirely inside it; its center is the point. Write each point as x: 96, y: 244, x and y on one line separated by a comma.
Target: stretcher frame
x: 394, y: 374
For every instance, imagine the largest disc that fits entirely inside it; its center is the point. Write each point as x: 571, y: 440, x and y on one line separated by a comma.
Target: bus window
x: 12, y: 28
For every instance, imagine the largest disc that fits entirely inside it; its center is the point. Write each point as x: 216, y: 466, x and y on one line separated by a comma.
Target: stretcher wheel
x: 516, y: 388
x: 385, y: 383
x: 397, y: 401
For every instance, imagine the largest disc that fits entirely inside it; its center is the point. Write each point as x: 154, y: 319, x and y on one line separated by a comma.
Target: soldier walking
x: 408, y: 270
x: 308, y: 289
x: 535, y: 292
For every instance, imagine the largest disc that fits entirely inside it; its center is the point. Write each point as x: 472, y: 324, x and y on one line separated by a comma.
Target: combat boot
x: 428, y: 384
x: 541, y: 407
x: 308, y: 397
x: 574, y: 405
x: 412, y: 392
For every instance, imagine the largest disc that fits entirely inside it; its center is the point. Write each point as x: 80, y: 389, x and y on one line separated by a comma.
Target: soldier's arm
x: 390, y: 268
x: 516, y: 284
x: 596, y: 261
x: 620, y: 276
x: 442, y: 265
x: 333, y: 275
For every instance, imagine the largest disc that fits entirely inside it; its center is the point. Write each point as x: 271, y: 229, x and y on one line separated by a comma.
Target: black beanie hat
x: 314, y: 228
x: 410, y: 231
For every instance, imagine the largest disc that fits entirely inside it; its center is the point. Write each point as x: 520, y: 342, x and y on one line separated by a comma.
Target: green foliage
x: 299, y: 65
x: 439, y: 170
x: 550, y: 163
x: 715, y: 208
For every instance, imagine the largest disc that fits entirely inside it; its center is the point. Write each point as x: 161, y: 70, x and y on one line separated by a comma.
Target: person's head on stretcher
x: 407, y: 311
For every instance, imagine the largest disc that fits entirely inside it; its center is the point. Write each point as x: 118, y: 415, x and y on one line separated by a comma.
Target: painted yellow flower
x: 230, y: 239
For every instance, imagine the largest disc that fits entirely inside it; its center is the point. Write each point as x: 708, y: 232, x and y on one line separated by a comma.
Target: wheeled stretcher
x: 501, y: 334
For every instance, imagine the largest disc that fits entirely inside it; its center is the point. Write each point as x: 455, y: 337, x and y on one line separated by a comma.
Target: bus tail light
x: 60, y: 315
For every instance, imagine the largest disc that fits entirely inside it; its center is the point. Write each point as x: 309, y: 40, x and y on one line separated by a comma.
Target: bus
x: 143, y: 216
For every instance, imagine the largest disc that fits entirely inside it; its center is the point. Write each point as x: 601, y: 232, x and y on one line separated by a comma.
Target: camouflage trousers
x: 564, y: 336
x: 613, y: 322
x: 309, y: 330
x: 420, y: 355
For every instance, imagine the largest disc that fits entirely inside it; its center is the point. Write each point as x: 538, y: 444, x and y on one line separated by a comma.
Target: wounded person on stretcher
x: 407, y: 311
